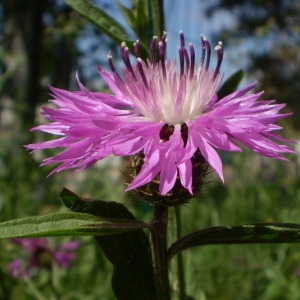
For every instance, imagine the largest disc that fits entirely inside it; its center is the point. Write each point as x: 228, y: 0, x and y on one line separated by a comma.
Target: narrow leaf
x: 99, y: 18
x: 158, y: 18
x: 142, y: 21
x: 231, y: 84
x: 127, y: 14
x: 105, y: 24
x: 63, y: 224
x: 129, y: 252
x: 244, y: 234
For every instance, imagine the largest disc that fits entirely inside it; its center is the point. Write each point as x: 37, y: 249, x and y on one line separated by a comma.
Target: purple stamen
x: 136, y: 49
x: 153, y: 50
x: 164, y: 40
x: 141, y: 70
x: 181, y: 60
x: 162, y: 54
x: 192, y: 53
x: 183, y: 55
x: 126, y: 59
x: 181, y: 39
x: 203, y: 46
x: 220, y: 50
x: 111, y: 65
x: 207, y: 46
x: 187, y: 59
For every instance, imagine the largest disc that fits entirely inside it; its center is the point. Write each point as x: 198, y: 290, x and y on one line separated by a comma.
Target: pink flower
x: 42, y: 256
x: 165, y: 111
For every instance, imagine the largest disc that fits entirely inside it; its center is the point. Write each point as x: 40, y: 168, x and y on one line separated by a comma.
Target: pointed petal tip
x: 128, y: 188
x: 220, y: 175
x: 190, y: 191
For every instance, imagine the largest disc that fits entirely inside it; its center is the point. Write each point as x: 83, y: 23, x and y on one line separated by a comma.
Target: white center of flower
x: 161, y: 93
x: 173, y: 99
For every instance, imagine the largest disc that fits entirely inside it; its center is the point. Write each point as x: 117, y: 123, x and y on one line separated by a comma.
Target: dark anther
x: 181, y: 60
x: 220, y: 50
x: 192, y: 53
x: 136, y: 47
x: 187, y: 59
x: 184, y: 133
x: 164, y: 40
x: 112, y: 67
x: 153, y: 50
x: 165, y: 132
x: 207, y: 46
x: 183, y: 57
x: 203, y: 50
x: 125, y: 56
x: 162, y: 54
x: 142, y: 73
x: 181, y: 39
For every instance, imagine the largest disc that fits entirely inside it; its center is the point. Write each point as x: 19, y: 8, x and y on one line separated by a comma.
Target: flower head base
x: 167, y: 113
x: 178, y: 194
x: 42, y: 256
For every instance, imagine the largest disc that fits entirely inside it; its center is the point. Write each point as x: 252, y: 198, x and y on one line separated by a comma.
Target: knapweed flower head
x: 42, y: 256
x: 167, y: 113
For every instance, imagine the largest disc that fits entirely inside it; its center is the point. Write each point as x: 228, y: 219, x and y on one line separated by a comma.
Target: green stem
x: 157, y: 7
x: 159, y: 251
x: 180, y: 267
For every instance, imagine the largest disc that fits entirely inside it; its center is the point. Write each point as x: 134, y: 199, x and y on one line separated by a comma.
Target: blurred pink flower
x: 297, y: 272
x: 165, y: 111
x: 41, y: 255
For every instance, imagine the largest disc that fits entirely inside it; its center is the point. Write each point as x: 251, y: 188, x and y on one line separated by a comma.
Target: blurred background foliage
x: 45, y: 42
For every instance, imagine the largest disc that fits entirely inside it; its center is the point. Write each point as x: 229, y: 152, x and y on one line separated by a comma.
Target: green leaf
x: 127, y: 14
x: 129, y: 252
x: 64, y: 224
x: 105, y: 24
x: 158, y: 18
x: 244, y: 234
x: 138, y: 18
x: 99, y: 18
x: 231, y: 84
x: 142, y: 20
